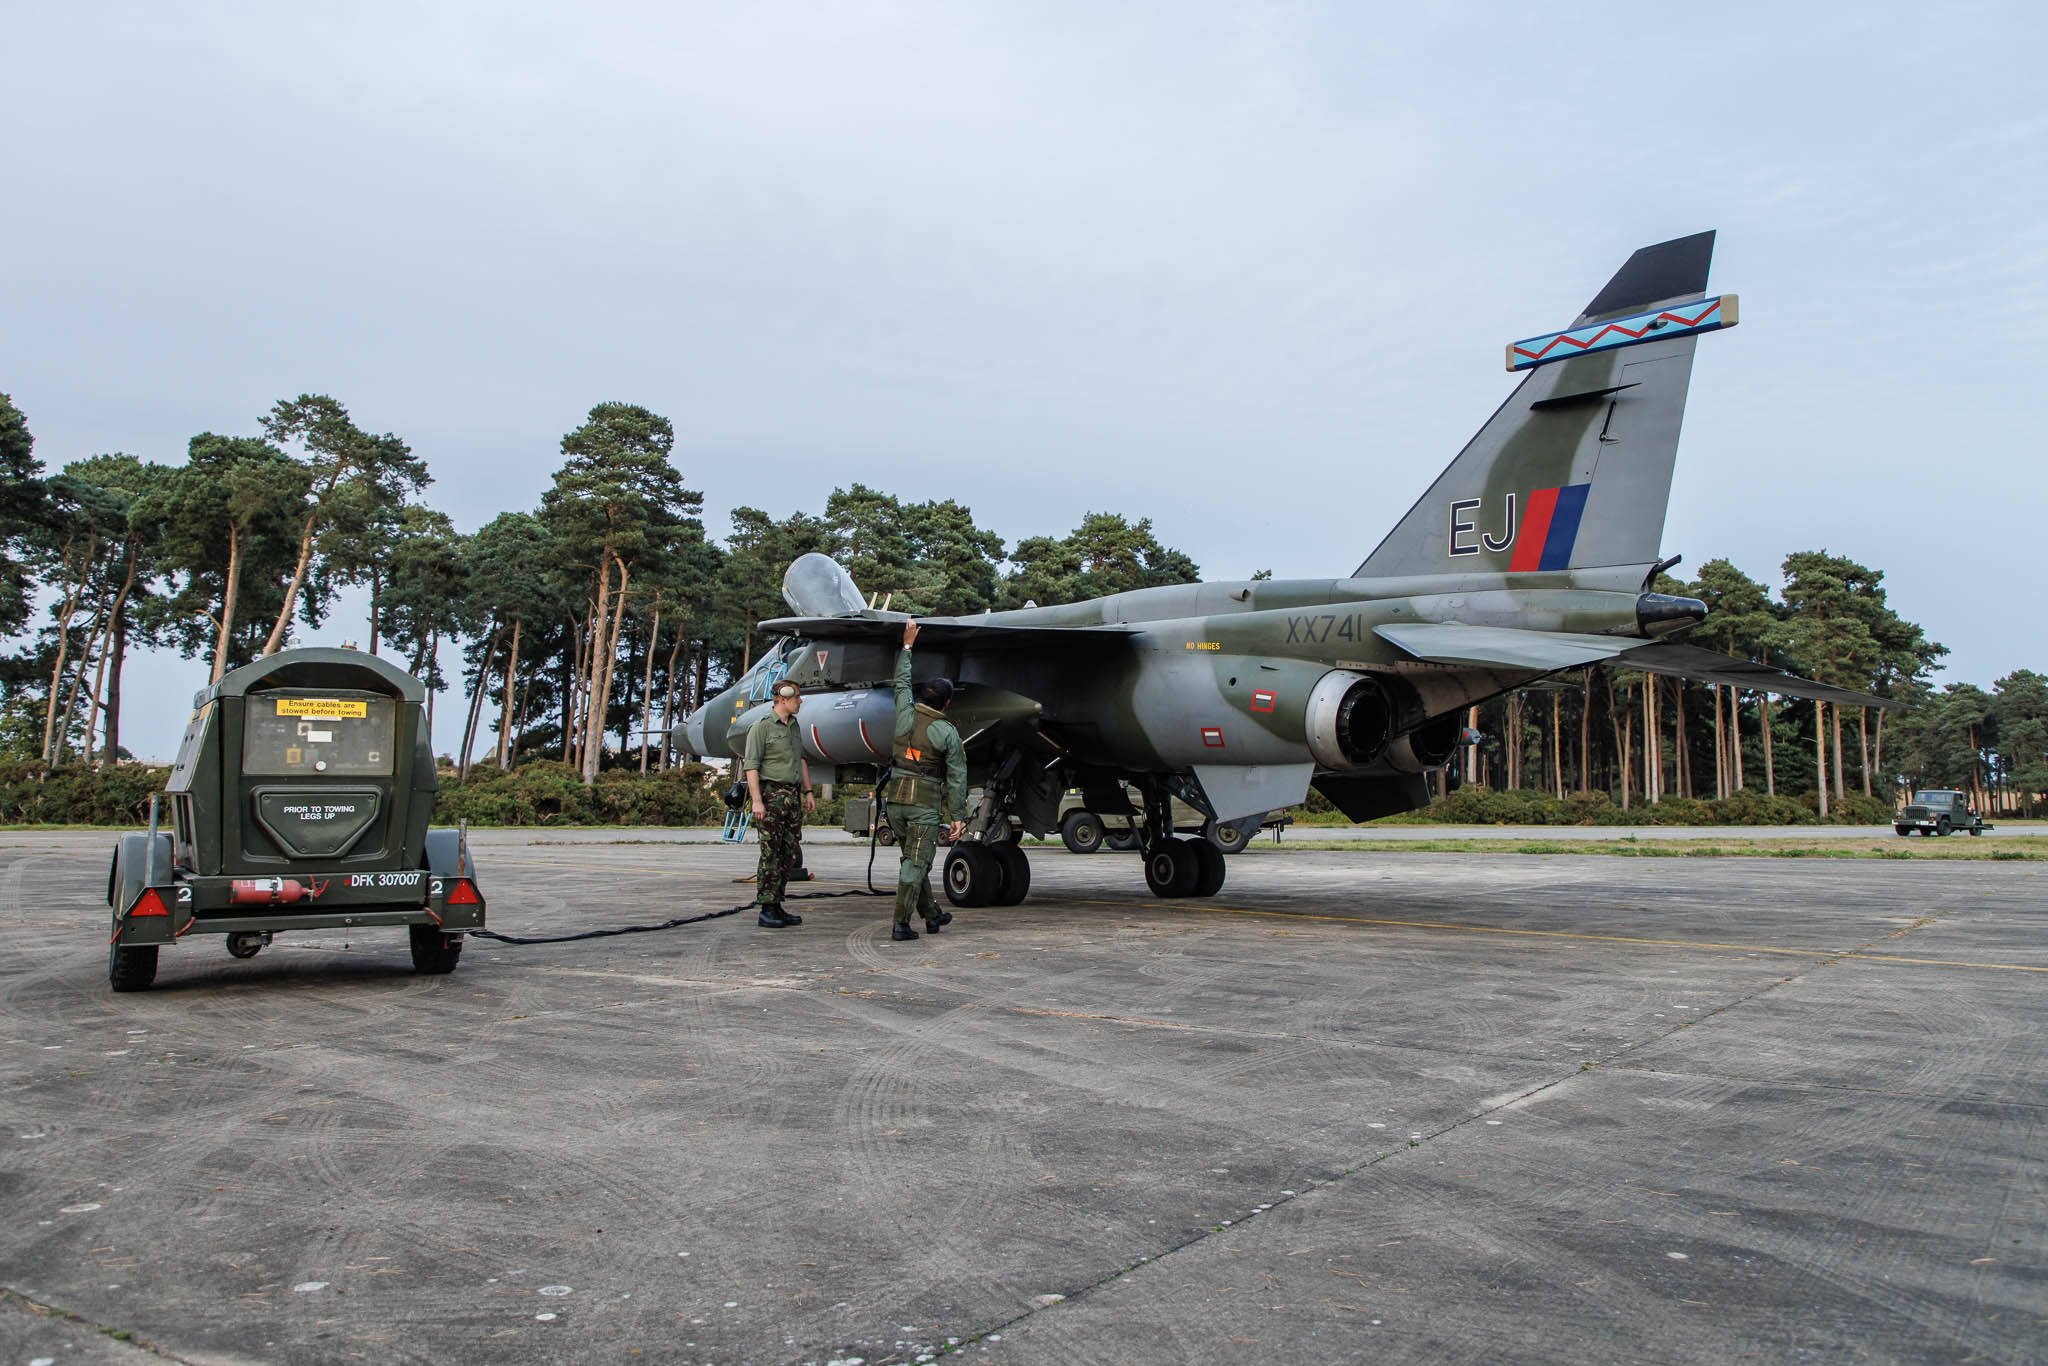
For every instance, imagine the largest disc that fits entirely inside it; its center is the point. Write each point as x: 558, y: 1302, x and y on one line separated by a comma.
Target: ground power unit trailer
x: 300, y: 800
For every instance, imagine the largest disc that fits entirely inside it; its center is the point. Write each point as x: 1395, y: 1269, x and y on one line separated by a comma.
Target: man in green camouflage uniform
x: 927, y: 788
x: 779, y: 781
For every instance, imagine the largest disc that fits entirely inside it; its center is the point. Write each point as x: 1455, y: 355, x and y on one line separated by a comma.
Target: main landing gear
x: 1184, y: 867
x: 988, y: 869
x: 1176, y: 867
x: 987, y: 875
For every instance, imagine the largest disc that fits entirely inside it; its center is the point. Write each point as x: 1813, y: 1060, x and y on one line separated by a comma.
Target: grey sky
x: 1245, y: 269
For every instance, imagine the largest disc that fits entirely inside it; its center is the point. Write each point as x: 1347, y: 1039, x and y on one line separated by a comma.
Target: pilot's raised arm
x: 906, y: 705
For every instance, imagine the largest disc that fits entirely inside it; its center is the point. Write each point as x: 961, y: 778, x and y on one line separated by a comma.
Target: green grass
x: 2026, y: 848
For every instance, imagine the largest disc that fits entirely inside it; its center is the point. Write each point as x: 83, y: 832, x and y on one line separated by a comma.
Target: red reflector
x: 463, y: 893
x: 149, y: 903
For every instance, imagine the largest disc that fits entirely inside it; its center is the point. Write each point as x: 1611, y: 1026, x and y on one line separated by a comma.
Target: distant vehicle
x: 299, y: 801
x: 1937, y: 812
x: 1084, y: 831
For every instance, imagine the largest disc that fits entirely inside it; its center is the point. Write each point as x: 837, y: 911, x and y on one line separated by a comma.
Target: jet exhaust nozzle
x: 1659, y: 614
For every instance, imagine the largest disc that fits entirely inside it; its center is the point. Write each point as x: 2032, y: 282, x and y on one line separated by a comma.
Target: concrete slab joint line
x: 130, y: 1338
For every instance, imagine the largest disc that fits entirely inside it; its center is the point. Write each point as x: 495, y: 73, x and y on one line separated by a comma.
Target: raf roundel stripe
x: 1549, y: 529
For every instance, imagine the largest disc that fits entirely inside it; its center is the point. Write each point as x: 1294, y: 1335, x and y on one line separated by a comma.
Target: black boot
x: 945, y: 918
x: 902, y: 932
x: 932, y: 926
x: 772, y: 918
x: 790, y: 917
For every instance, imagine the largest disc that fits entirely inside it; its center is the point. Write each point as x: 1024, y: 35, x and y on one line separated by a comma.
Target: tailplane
x: 1574, y: 470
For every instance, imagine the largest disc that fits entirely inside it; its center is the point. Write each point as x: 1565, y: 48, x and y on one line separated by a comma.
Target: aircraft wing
x: 1499, y: 647
x: 889, y: 627
x: 1503, y: 647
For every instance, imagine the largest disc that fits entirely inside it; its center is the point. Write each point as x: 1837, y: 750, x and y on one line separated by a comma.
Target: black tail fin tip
x: 1668, y: 270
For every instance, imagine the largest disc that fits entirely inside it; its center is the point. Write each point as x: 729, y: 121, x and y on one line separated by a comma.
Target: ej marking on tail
x: 1541, y: 538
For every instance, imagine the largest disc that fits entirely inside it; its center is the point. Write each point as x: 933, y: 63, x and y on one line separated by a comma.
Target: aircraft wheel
x: 1171, y: 869
x: 1209, y: 867
x: 131, y: 969
x: 1120, y: 842
x: 973, y: 877
x: 433, y: 951
x: 1016, y: 875
x: 1081, y: 832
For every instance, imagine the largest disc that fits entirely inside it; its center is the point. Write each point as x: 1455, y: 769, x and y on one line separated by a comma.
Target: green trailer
x: 300, y: 800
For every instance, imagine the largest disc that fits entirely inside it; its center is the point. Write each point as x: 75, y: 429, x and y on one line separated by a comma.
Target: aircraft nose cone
x: 1659, y: 614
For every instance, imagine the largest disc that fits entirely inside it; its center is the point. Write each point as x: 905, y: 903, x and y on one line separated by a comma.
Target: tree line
x: 1640, y: 737
x: 588, y: 626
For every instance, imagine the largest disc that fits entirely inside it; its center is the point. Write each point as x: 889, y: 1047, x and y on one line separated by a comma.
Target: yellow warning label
x: 322, y: 708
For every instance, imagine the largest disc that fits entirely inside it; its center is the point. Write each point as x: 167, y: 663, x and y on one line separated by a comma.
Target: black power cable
x: 664, y: 925
x: 874, y: 832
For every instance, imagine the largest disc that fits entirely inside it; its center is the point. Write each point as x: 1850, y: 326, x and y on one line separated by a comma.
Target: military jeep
x: 1937, y: 812
x: 299, y: 801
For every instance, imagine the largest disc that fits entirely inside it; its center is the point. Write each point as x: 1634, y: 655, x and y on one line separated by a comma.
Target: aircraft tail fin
x: 1573, y: 471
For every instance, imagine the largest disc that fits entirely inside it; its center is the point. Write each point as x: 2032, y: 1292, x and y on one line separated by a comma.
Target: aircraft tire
x: 1171, y: 869
x: 1016, y: 875
x: 434, y: 952
x: 1081, y: 832
x: 131, y: 969
x: 973, y: 877
x: 1209, y: 867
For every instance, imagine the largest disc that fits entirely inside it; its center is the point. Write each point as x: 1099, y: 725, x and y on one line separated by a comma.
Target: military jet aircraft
x: 1533, y: 552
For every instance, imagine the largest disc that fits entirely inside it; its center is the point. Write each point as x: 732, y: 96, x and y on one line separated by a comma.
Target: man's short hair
x: 935, y: 693
x: 788, y: 690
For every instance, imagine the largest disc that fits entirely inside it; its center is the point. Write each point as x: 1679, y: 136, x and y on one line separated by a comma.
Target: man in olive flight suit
x: 927, y: 788
x: 779, y: 781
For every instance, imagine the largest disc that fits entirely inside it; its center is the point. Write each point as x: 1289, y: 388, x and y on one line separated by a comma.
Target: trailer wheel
x: 131, y: 969
x: 433, y: 951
